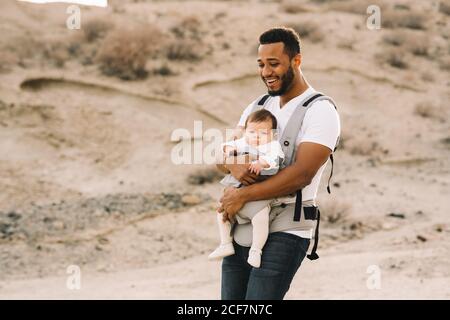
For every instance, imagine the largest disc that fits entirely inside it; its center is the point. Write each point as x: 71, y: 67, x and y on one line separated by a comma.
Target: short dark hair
x: 260, y: 116
x: 288, y: 36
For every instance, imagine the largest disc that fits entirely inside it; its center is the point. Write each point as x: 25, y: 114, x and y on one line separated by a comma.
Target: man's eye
x: 274, y: 64
x: 261, y: 65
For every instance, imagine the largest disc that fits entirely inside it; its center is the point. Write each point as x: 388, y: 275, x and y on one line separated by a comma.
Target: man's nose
x: 266, y: 71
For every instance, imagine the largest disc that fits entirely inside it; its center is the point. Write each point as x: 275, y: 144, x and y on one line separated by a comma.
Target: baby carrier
x: 287, y: 140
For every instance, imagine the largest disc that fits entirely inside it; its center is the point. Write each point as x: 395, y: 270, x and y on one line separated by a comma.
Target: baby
x: 260, y: 143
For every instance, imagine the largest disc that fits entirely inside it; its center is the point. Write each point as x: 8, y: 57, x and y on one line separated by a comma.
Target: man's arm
x: 309, y: 158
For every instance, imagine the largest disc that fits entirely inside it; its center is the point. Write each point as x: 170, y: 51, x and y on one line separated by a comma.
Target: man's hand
x: 239, y: 168
x: 231, y: 202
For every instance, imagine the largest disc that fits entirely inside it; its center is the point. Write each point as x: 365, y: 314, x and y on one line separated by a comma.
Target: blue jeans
x: 282, y: 255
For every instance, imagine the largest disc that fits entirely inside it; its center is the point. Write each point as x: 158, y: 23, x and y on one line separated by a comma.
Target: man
x: 279, y: 60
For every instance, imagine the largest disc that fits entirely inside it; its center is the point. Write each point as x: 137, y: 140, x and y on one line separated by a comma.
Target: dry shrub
x: 184, y: 49
x: 430, y: 111
x: 444, y: 64
x: 164, y: 70
x: 396, y: 38
x: 428, y: 76
x: 7, y: 61
x: 55, y: 52
x: 418, y: 45
x: 364, y: 147
x: 347, y: 44
x: 401, y: 19
x: 24, y: 47
x: 444, y: 7
x: 356, y: 6
x: 309, y: 30
x: 395, y: 58
x: 96, y: 28
x: 188, y: 27
x: 203, y: 176
x: 293, y: 7
x: 124, y: 52
x: 334, y: 211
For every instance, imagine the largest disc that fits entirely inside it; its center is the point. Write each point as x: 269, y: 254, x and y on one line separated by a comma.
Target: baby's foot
x: 254, y: 257
x: 222, y: 251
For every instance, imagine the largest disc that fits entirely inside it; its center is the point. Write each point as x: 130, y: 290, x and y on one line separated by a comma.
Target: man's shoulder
x: 322, y: 107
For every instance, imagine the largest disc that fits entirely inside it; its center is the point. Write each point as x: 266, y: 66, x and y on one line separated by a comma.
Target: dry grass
x: 128, y: 61
x: 309, y: 30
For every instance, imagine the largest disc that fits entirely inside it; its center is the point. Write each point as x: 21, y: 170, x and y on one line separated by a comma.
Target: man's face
x: 275, y: 68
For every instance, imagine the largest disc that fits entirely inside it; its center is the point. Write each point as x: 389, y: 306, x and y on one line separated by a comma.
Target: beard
x: 286, y: 83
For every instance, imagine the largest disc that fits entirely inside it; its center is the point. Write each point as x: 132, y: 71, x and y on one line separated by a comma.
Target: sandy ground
x: 86, y: 177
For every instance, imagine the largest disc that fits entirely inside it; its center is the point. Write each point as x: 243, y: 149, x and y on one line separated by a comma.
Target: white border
x: 98, y: 3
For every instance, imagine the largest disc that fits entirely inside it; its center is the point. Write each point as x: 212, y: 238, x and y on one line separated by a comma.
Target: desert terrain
x: 86, y: 118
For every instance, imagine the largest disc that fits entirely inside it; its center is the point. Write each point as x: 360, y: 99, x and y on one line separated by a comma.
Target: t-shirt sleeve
x: 321, y: 125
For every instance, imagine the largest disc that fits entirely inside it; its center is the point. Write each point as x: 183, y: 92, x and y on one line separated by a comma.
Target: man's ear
x: 297, y: 60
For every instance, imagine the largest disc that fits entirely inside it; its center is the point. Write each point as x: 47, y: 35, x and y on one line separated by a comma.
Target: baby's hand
x: 255, y: 167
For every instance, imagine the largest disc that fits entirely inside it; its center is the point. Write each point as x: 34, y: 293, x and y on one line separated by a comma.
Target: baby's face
x: 259, y: 133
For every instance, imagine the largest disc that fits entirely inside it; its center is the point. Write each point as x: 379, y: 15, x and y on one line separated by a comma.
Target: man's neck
x: 297, y: 89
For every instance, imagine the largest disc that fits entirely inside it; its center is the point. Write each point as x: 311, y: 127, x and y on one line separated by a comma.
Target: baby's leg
x: 226, y: 247
x: 224, y: 229
x: 260, y: 223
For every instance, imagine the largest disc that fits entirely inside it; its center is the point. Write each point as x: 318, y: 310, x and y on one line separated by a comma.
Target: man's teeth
x: 271, y: 81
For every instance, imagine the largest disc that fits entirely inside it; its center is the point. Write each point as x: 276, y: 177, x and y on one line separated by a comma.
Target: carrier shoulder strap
x: 289, y: 148
x: 260, y: 103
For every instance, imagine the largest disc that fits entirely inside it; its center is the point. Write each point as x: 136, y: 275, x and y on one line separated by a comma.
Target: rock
x: 190, y: 200
x: 58, y: 225
x: 14, y: 216
x: 103, y: 240
x: 388, y: 226
x: 396, y: 215
x: 421, y: 238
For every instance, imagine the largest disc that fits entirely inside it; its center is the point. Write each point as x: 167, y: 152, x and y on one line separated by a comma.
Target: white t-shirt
x: 321, y: 125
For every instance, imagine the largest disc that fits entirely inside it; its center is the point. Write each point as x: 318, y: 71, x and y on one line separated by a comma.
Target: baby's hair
x: 260, y: 116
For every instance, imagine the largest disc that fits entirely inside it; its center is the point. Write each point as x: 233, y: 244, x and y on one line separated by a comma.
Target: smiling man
x: 309, y: 128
